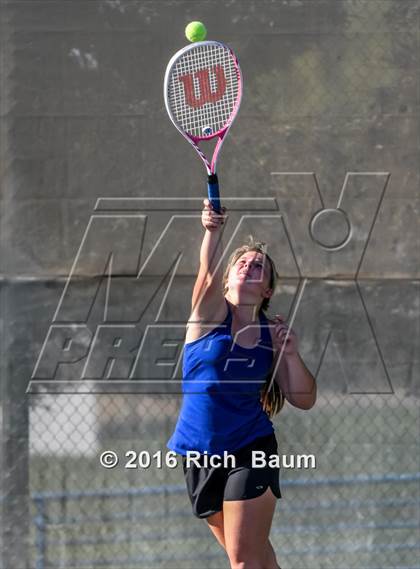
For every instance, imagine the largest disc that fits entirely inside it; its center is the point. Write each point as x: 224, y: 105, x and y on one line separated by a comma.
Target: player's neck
x: 242, y: 312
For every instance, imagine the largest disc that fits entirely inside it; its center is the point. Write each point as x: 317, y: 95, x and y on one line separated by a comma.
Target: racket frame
x: 221, y: 134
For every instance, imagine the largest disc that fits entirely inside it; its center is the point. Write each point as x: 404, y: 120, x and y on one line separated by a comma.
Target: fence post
x: 40, y: 537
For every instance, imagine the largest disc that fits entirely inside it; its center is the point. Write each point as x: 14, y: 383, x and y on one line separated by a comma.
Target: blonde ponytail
x: 272, y: 399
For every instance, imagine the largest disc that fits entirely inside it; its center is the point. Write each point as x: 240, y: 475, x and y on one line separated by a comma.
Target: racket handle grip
x: 213, y: 192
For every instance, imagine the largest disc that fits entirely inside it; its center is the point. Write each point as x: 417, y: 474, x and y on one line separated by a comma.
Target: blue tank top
x: 221, y: 408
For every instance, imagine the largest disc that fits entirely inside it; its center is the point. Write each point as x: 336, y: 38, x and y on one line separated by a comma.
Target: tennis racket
x: 202, y: 91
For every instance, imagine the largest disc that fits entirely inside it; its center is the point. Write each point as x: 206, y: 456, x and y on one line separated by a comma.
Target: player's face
x: 251, y: 269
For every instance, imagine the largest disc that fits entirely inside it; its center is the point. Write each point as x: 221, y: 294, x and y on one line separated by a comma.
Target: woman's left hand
x: 284, y: 336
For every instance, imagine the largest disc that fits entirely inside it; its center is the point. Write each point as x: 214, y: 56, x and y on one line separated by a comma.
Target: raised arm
x: 207, y: 298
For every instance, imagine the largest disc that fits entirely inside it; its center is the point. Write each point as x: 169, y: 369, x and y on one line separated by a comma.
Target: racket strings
x: 203, y: 90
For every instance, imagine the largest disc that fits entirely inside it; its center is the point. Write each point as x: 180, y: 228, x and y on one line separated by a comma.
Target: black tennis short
x: 209, y: 486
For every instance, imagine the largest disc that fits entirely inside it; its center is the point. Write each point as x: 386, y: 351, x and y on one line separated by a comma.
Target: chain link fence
x: 359, y: 506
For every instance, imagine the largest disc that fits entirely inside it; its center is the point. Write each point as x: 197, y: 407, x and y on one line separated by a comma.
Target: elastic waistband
x: 258, y: 442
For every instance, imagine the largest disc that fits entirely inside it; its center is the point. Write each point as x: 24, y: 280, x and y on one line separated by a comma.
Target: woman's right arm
x: 207, y: 298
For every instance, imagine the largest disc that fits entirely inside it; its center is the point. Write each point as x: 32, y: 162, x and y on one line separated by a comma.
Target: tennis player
x: 230, y: 355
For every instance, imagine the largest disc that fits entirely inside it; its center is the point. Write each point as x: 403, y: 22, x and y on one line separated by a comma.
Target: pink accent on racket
x: 202, y: 91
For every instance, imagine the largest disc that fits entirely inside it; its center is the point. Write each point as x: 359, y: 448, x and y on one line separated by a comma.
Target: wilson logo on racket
x: 206, y: 95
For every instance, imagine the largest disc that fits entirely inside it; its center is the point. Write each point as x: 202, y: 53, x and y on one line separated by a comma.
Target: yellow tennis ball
x: 196, y: 31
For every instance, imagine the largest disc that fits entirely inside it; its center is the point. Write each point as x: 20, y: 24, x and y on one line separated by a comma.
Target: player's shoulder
x: 201, y: 323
